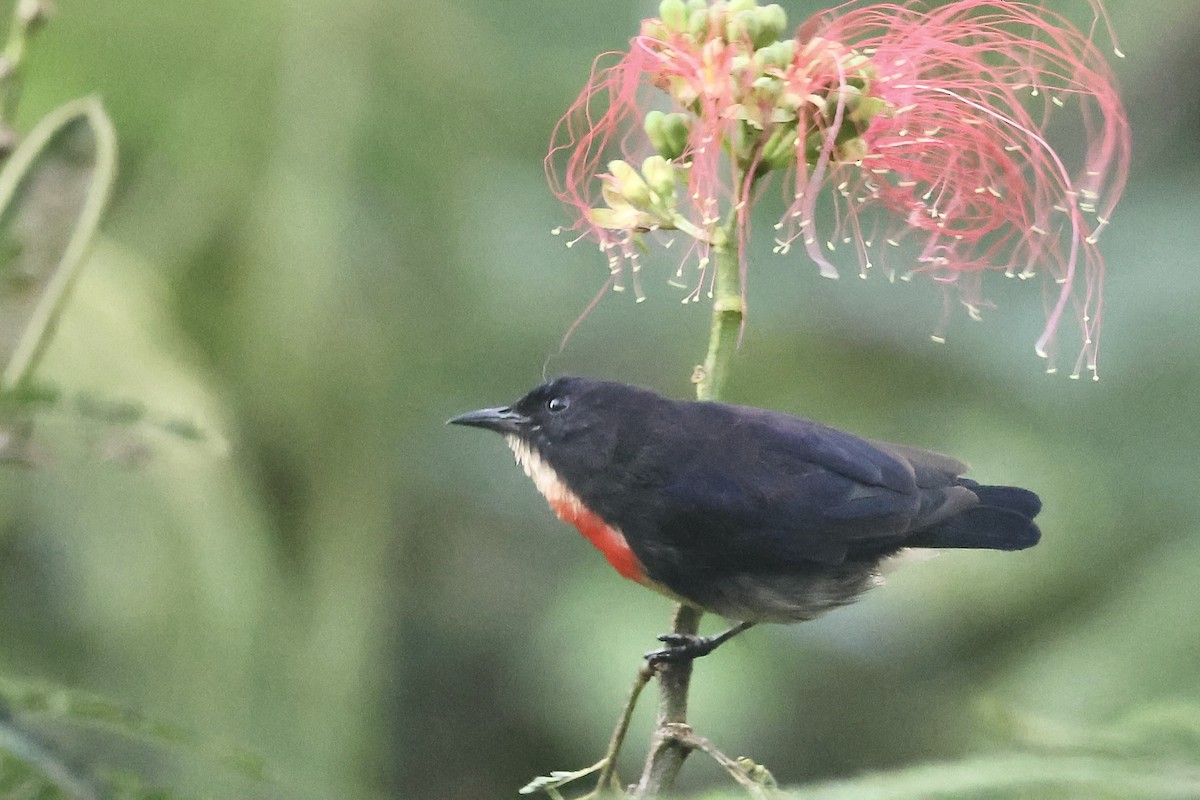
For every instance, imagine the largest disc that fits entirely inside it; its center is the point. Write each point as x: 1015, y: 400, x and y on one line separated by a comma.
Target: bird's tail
x: 1003, y: 520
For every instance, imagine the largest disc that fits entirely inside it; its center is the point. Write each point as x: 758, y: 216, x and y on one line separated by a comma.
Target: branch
x: 667, y: 749
x: 667, y: 752
x: 756, y: 788
x: 607, y: 780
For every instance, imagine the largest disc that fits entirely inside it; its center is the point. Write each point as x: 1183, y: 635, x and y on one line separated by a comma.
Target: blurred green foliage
x: 330, y: 232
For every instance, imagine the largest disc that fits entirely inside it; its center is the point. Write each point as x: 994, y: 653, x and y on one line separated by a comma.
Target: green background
x: 331, y: 232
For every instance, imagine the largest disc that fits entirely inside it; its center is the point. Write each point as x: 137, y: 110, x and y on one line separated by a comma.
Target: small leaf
x: 53, y: 191
x: 757, y: 772
x: 550, y: 783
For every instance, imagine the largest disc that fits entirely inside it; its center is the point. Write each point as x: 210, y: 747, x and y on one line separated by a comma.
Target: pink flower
x: 916, y: 137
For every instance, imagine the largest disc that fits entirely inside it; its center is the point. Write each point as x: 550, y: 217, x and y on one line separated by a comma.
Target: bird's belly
x: 791, y: 596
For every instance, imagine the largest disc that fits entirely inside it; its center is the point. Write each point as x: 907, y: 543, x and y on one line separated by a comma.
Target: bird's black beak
x: 501, y: 420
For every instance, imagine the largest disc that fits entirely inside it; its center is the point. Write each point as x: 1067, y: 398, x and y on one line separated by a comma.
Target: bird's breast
x: 570, y: 509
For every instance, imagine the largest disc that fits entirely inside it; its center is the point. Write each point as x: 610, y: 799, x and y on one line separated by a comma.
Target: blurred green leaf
x: 63, y: 704
x: 31, y: 772
x: 1019, y: 777
x: 29, y: 769
x: 1154, y: 731
x: 1150, y: 754
x: 53, y: 190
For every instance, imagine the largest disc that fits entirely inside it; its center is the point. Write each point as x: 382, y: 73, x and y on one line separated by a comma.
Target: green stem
x: 607, y: 781
x: 755, y: 788
x: 28, y: 17
x: 729, y: 307
x: 36, y: 156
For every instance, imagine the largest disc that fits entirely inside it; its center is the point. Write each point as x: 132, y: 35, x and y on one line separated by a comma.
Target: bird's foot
x: 681, y: 647
x: 688, y: 646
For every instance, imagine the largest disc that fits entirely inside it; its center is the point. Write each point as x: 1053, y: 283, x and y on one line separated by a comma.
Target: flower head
x: 917, y: 137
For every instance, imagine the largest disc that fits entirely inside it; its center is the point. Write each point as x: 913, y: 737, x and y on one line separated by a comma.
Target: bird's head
x: 553, y: 412
x: 576, y: 424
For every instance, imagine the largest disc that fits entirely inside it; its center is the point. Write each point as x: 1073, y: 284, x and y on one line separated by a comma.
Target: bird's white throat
x: 543, y: 475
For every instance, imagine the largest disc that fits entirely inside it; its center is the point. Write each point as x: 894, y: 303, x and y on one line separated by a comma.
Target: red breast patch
x: 607, y: 539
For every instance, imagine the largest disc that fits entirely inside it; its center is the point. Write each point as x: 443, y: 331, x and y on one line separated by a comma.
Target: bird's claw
x: 680, y: 647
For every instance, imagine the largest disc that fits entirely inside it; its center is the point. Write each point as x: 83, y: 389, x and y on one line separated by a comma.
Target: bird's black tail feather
x: 1022, y: 501
x: 1003, y: 520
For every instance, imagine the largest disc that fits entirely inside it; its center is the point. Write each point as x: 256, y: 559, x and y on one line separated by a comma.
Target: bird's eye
x: 557, y: 404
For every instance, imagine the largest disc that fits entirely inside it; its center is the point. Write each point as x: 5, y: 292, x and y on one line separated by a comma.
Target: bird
x: 752, y: 514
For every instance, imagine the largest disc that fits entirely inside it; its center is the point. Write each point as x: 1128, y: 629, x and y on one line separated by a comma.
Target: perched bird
x: 756, y: 515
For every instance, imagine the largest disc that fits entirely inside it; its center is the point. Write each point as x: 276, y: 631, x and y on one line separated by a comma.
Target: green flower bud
x: 668, y: 133
x: 768, y: 87
x: 849, y: 97
x: 629, y: 184
x: 678, y: 129
x: 737, y: 6
x: 610, y: 191
x: 850, y: 150
x: 697, y: 5
x: 653, y: 125
x: 859, y: 62
x: 773, y: 22
x: 777, y: 54
x: 674, y: 14
x: 868, y: 108
x: 848, y: 146
x: 659, y: 173
x: 608, y: 218
x: 681, y: 90
x: 742, y: 26
x: 698, y: 23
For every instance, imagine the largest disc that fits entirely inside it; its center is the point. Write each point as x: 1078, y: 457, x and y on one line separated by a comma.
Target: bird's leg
x: 685, y: 647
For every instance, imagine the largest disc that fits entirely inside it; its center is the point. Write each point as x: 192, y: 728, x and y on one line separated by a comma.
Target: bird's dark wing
x: 782, y: 489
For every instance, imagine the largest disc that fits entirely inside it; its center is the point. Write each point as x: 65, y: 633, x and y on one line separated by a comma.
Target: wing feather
x: 786, y: 488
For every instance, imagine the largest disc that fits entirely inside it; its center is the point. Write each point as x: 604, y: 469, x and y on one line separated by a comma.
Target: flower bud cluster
x: 766, y: 102
x: 774, y: 92
x: 913, y: 136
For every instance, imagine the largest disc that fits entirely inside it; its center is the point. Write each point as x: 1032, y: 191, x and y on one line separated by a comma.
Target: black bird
x: 756, y: 515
